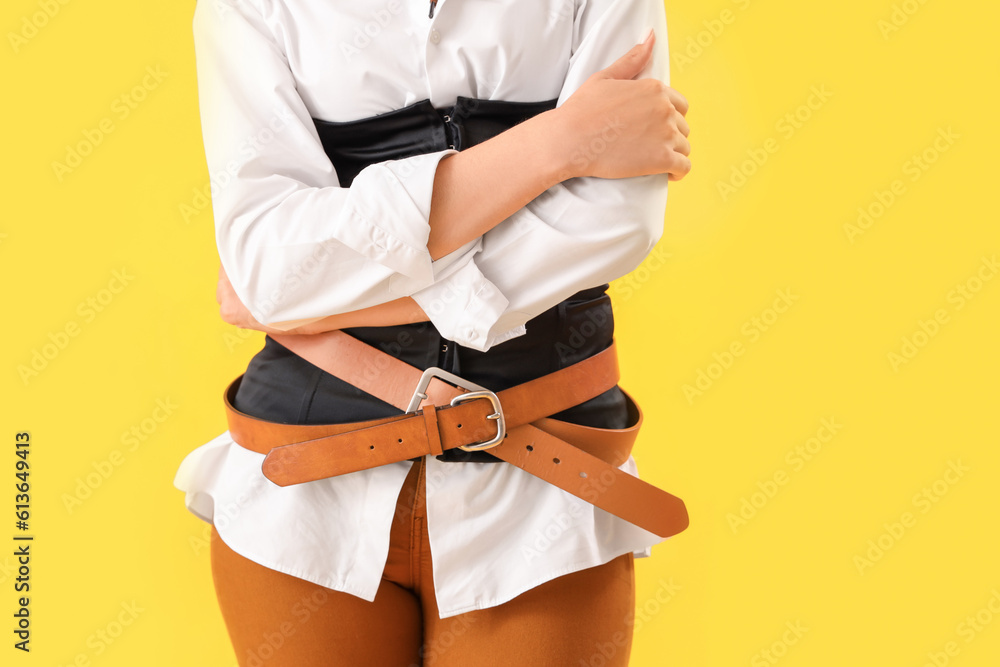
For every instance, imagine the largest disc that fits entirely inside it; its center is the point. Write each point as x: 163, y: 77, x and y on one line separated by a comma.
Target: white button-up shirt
x: 298, y: 247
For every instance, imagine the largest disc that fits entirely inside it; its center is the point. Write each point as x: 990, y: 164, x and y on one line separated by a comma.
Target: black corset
x: 419, y: 128
x: 280, y: 386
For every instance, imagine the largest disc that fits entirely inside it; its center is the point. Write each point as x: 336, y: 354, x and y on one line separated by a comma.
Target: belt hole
x: 400, y: 440
x: 459, y: 426
x: 371, y: 446
x: 583, y: 474
x: 530, y: 448
x: 556, y: 461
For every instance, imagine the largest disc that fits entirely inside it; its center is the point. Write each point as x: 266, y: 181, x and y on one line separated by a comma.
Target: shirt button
x: 435, y: 36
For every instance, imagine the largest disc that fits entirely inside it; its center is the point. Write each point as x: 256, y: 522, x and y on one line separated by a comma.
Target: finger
x: 682, y: 124
x: 680, y: 170
x: 631, y: 63
x: 682, y: 146
x: 679, y: 101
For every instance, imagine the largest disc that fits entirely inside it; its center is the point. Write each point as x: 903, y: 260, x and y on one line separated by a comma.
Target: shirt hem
x: 501, y: 599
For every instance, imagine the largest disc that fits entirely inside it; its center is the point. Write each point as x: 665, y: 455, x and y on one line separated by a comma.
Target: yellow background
x: 722, y: 261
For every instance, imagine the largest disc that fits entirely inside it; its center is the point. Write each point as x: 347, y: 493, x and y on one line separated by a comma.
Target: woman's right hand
x: 615, y: 127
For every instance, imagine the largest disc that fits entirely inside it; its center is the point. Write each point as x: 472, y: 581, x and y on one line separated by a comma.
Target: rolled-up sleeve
x: 582, y: 232
x: 295, y: 245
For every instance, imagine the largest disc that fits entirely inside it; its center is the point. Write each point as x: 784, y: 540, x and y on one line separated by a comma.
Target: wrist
x: 555, y: 147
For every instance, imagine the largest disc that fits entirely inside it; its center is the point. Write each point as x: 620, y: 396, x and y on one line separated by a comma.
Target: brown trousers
x: 582, y: 619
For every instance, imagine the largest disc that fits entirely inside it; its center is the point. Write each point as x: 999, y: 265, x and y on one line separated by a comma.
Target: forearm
x: 474, y: 191
x: 479, y: 187
x: 233, y: 311
x: 392, y: 313
x: 639, y: 125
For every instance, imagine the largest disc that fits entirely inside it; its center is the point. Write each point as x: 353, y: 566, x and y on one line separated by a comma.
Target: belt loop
x: 431, y: 425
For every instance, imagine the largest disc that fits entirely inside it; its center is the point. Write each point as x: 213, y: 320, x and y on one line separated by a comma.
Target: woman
x: 452, y: 185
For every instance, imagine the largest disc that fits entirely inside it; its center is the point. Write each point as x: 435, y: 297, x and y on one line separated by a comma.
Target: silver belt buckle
x: 475, y: 391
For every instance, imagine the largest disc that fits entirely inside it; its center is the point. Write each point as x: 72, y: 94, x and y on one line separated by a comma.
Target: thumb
x: 632, y: 62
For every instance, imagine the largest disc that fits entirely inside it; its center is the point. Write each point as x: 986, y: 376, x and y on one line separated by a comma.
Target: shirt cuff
x: 388, y: 217
x: 465, y: 307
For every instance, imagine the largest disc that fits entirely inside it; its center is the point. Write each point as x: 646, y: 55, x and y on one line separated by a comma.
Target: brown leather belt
x: 513, y: 424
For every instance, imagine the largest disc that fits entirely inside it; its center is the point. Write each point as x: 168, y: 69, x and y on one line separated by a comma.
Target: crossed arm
x: 651, y: 138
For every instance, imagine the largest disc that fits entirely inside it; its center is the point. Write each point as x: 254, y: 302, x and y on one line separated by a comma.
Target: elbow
x: 263, y: 300
x: 643, y: 229
x: 637, y: 207
x: 257, y: 277
x: 280, y: 281
x: 652, y: 231
x: 648, y: 213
